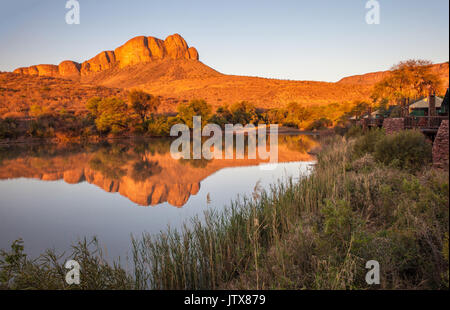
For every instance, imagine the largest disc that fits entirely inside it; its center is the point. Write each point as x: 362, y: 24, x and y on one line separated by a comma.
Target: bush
x: 8, y: 129
x: 186, y: 112
x: 320, y: 123
x: 408, y: 149
x: 38, y: 110
x: 366, y: 143
x: 244, y: 113
x: 112, y: 115
x: 354, y: 132
x: 143, y: 103
x: 160, y: 126
x: 92, y: 106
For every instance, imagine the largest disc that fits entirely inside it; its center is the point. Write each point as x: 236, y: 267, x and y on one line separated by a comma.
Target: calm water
x: 51, y: 196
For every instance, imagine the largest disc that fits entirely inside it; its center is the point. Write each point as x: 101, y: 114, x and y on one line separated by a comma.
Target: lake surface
x: 53, y: 195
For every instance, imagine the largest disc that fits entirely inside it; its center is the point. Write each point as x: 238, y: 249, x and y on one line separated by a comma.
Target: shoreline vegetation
x: 110, y: 118
x: 371, y: 196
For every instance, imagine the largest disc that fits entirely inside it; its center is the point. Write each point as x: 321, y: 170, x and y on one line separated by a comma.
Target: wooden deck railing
x: 375, y: 122
x: 371, y: 122
x: 424, y: 122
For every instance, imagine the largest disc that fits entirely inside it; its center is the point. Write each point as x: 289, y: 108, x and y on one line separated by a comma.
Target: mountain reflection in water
x: 47, y: 195
x: 143, y: 171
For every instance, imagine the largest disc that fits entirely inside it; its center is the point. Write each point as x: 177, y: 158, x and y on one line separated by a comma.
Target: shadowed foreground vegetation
x: 364, y: 201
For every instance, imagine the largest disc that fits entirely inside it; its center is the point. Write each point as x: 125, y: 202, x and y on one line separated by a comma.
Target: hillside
x: 181, y: 80
x: 374, y: 77
x: 18, y: 92
x: 171, y: 70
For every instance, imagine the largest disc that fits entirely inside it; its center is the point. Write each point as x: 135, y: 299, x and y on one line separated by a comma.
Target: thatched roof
x: 423, y: 104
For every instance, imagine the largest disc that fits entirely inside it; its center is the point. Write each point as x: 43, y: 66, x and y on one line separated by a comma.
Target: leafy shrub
x: 365, y: 163
x: 8, y: 128
x: 320, y: 123
x: 195, y: 108
x: 408, y: 149
x: 160, y: 126
x: 222, y: 116
x: 92, y: 105
x: 354, y: 132
x: 143, y: 103
x: 37, y: 110
x: 244, y: 113
x: 341, y: 129
x: 37, y: 129
x: 289, y: 123
x: 366, y: 143
x: 112, y: 115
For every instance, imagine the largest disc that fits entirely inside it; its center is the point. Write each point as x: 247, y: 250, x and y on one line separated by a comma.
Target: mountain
x: 172, y: 70
x: 374, y: 77
x: 135, y: 51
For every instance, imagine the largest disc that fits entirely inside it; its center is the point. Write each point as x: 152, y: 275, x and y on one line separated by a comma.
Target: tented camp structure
x: 422, y: 107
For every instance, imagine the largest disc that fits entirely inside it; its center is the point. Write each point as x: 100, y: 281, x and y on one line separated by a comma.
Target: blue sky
x: 302, y: 40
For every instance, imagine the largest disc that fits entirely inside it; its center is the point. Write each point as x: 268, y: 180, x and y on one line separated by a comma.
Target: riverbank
x: 282, y: 130
x: 317, y: 233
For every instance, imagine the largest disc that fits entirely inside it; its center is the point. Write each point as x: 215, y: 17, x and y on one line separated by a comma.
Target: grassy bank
x: 365, y: 200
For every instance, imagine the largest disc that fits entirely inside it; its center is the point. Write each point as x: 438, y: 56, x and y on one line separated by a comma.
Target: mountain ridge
x: 139, y: 49
x: 374, y: 77
x: 172, y: 70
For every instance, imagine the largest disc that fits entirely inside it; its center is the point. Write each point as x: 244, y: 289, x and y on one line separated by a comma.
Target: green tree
x: 92, y: 106
x: 112, y: 115
x: 276, y: 116
x: 411, y: 79
x: 222, y: 116
x: 320, y: 123
x: 359, y: 109
x: 295, y: 114
x: 196, y: 107
x: 243, y: 113
x: 142, y: 103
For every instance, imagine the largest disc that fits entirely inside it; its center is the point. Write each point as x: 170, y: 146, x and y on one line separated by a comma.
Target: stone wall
x: 440, y: 146
x: 392, y: 125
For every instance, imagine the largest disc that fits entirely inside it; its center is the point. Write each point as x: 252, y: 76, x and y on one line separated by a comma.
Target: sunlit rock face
x: 157, y: 48
x: 146, y: 49
x: 137, y: 50
x: 192, y: 53
x: 133, y: 52
x: 69, y: 68
x: 103, y: 61
x: 74, y: 176
x: 176, y: 46
x: 41, y: 70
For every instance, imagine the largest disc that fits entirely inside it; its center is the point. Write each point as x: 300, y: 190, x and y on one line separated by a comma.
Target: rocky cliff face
x: 138, y: 50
